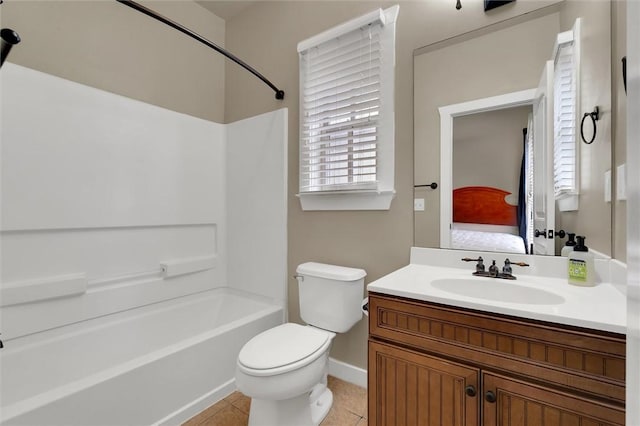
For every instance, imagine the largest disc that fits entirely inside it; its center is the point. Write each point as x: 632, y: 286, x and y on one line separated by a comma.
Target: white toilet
x: 284, y: 369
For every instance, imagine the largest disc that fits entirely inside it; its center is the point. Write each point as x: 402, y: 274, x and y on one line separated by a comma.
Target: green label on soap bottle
x: 577, y: 270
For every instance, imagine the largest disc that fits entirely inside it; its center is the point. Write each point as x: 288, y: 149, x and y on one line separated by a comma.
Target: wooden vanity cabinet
x: 417, y: 389
x: 439, y: 365
x: 520, y: 403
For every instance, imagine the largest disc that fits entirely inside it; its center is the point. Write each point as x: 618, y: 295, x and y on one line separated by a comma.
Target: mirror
x: 462, y: 86
x: 485, y: 198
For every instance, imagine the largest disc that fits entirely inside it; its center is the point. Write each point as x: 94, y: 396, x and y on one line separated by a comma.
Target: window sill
x: 351, y: 200
x: 567, y: 202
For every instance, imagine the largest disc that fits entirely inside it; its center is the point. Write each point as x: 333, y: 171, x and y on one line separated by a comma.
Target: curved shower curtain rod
x: 8, y: 39
x: 182, y: 29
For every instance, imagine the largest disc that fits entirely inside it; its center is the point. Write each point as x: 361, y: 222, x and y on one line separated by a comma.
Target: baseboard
x: 348, y: 373
x: 186, y: 412
x: 341, y: 370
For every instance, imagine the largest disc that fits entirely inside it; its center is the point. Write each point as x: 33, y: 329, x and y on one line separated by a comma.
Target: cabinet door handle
x: 470, y: 390
x: 490, y: 397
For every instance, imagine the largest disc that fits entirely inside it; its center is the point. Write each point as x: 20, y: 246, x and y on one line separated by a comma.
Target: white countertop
x: 602, y: 307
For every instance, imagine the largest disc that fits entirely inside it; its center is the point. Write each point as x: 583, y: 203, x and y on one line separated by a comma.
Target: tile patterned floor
x: 349, y: 408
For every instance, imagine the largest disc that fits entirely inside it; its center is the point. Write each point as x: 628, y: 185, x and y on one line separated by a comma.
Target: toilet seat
x: 284, y: 348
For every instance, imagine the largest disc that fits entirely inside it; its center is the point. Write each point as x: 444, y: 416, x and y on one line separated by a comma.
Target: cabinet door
x: 408, y: 388
x: 508, y: 402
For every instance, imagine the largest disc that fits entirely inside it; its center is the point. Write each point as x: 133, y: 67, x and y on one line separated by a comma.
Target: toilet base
x: 303, y: 410
x: 320, y: 406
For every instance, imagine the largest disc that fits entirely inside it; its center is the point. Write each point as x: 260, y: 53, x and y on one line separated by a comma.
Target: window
x: 347, y: 115
x: 566, y: 75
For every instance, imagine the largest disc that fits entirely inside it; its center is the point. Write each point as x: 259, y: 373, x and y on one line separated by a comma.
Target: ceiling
x: 226, y: 9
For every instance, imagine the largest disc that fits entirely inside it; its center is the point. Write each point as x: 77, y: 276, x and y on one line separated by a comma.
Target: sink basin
x: 498, y: 291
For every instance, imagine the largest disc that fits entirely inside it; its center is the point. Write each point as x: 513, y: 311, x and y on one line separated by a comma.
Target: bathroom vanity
x: 443, y: 358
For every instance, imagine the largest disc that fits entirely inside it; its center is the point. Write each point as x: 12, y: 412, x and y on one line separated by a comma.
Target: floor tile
x: 241, y: 402
x: 235, y: 395
x: 349, y: 408
x: 228, y: 416
x: 204, y: 415
x: 363, y: 422
x: 340, y: 417
x: 348, y: 396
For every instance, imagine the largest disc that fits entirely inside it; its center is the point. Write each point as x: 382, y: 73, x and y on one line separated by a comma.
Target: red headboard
x: 483, y: 204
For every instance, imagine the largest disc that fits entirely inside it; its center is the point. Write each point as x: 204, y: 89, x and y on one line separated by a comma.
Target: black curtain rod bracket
x: 192, y: 34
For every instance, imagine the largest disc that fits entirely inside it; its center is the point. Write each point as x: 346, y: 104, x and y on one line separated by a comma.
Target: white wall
x: 97, y: 191
x: 257, y: 204
x: 76, y: 157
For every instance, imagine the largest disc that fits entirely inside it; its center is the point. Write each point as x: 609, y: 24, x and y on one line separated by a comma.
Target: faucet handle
x: 479, y: 265
x: 506, y: 269
x: 493, y: 269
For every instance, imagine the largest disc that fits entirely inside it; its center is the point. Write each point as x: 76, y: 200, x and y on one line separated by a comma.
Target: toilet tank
x: 330, y: 296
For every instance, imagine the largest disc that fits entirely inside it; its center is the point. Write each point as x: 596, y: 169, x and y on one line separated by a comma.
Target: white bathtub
x: 159, y: 364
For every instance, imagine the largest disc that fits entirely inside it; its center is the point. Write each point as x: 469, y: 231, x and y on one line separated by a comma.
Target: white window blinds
x: 564, y: 165
x: 341, y: 110
x: 566, y: 100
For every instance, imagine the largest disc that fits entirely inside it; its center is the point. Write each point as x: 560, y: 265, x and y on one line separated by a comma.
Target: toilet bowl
x: 284, y: 369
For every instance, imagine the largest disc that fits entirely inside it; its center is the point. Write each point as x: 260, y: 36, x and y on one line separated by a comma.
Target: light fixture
x: 458, y: 5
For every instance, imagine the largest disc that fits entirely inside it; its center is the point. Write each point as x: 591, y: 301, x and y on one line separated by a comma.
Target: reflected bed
x: 483, y: 220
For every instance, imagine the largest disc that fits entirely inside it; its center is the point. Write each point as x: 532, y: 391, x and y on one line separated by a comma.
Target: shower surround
x: 141, y: 248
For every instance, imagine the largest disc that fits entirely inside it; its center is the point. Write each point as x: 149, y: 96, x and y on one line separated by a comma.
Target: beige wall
x: 266, y: 36
x: 442, y: 78
x: 619, y: 117
x: 109, y: 46
x: 495, y: 63
x: 593, y: 219
x: 487, y: 149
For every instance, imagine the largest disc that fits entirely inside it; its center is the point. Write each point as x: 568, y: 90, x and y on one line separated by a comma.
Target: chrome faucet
x: 494, y: 271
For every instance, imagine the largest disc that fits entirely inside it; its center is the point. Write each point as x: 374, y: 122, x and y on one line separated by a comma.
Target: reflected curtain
x: 522, y: 194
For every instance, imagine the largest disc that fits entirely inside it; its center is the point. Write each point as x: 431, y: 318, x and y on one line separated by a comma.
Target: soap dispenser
x: 581, y: 265
x: 569, y: 245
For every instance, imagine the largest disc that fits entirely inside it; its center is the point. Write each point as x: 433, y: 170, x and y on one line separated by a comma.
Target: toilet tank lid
x: 331, y: 272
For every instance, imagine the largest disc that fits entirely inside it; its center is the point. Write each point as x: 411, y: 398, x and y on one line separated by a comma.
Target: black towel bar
x: 595, y: 116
